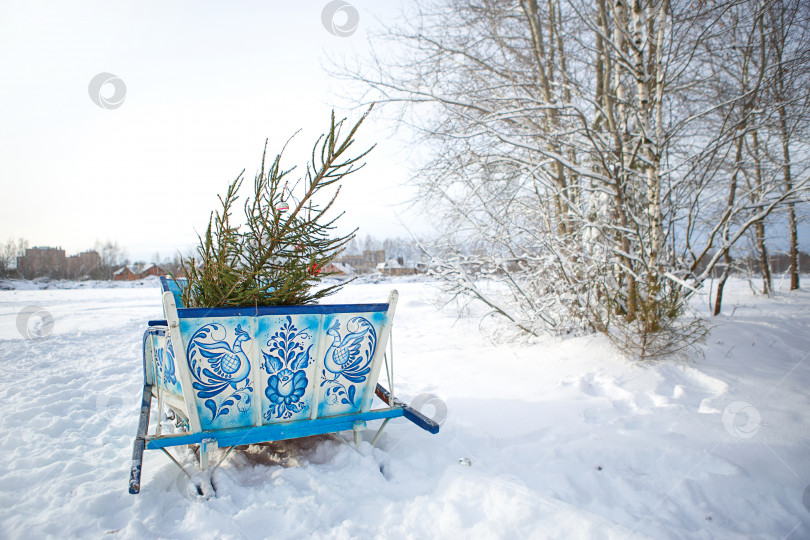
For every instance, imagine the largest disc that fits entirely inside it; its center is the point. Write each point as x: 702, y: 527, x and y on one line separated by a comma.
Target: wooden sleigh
x: 244, y: 375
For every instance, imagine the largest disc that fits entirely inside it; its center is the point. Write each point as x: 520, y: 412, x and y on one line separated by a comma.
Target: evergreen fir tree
x: 278, y: 255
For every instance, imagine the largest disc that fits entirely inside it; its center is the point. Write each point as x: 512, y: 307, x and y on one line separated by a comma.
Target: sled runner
x: 243, y: 375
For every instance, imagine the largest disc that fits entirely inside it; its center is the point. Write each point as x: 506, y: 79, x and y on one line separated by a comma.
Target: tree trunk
x: 764, y: 266
x: 718, y: 299
x: 779, y: 14
x: 759, y: 226
x: 794, y: 249
x: 732, y: 194
x: 792, y: 230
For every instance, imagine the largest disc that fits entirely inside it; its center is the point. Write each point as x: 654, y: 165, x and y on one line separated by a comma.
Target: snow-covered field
x: 565, y: 439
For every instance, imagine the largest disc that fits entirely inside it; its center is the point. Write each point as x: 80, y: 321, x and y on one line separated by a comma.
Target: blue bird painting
x: 217, y: 366
x: 348, y: 357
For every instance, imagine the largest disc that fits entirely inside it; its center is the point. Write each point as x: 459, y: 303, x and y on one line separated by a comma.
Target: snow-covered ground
x: 49, y: 284
x: 565, y: 439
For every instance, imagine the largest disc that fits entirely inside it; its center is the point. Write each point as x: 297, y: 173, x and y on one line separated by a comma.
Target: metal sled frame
x: 210, y: 440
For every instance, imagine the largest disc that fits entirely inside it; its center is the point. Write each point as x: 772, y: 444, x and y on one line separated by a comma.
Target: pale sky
x: 206, y: 83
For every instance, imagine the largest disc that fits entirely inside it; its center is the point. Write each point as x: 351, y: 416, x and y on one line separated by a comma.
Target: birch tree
x: 787, y: 26
x: 745, y: 158
x: 571, y: 160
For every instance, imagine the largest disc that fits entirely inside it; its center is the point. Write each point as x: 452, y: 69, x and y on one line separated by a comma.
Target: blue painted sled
x: 236, y: 376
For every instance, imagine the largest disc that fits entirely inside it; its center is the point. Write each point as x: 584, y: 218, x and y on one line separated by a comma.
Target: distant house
x: 338, y: 268
x: 81, y: 265
x: 131, y: 273
x: 393, y: 267
x: 387, y: 266
x: 51, y: 262
x: 152, y: 270
x: 42, y: 261
x: 124, y: 274
x: 366, y: 262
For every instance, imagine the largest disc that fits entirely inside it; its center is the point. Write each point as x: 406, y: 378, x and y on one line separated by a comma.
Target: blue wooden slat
x: 146, y: 335
x: 175, y: 287
x: 187, y: 313
x: 168, y: 286
x: 195, y: 313
x: 274, y: 432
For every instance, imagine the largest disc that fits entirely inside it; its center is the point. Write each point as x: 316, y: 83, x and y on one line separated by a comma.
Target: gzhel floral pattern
x: 286, y: 364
